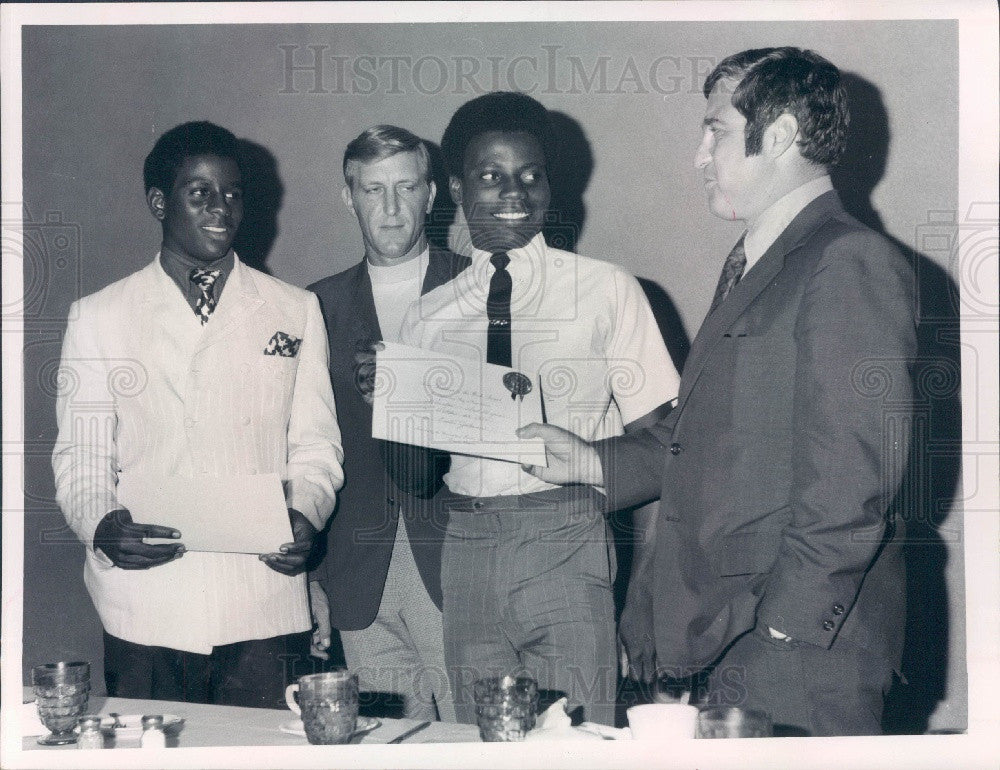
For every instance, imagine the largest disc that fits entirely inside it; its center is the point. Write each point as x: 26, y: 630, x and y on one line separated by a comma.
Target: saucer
x: 364, y: 725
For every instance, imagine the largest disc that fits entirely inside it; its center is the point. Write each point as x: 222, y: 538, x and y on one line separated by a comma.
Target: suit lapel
x: 716, y: 324
x: 240, y: 300
x: 442, y: 267
x: 365, y: 328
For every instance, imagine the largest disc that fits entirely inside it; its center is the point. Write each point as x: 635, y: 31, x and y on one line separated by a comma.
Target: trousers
x: 527, y: 590
x: 399, y: 658
x: 251, y: 673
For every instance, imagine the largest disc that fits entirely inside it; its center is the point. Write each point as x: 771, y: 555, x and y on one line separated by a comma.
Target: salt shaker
x: 153, y: 736
x: 91, y: 736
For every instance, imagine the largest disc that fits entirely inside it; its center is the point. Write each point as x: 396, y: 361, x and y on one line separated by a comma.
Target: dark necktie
x: 498, y: 312
x: 205, y: 280
x: 732, y: 271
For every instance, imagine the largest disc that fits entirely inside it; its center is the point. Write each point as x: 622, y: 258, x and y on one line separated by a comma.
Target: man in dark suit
x: 382, y: 578
x: 777, y: 573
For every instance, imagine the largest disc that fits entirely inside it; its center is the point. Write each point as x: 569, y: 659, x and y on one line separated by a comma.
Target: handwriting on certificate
x: 455, y: 404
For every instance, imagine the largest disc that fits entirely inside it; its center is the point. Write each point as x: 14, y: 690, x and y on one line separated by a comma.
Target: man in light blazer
x: 777, y: 574
x: 195, y: 366
x: 382, y: 568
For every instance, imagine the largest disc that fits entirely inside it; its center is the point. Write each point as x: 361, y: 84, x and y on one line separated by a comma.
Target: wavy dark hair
x: 773, y: 81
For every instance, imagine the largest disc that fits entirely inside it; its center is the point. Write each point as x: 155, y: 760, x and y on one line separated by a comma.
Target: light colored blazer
x: 144, y: 387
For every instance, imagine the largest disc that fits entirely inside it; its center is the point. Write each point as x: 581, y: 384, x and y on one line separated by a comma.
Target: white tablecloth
x: 207, y: 725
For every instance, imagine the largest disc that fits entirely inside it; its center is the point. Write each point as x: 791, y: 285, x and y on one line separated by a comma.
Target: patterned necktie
x: 732, y: 271
x: 498, y: 312
x: 204, y: 280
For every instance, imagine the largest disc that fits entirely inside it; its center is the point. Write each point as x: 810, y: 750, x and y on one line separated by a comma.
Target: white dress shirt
x: 582, y: 326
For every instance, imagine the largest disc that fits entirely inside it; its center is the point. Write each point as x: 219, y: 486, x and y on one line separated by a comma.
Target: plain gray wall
x: 96, y: 98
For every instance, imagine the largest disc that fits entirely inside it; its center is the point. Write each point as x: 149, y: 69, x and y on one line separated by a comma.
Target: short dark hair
x: 381, y: 142
x: 507, y: 111
x: 184, y: 141
x: 773, y: 81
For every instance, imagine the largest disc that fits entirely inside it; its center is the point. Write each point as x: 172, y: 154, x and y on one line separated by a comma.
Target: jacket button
x: 477, y: 505
x: 391, y: 500
x: 675, y: 448
x: 838, y: 609
x: 828, y: 625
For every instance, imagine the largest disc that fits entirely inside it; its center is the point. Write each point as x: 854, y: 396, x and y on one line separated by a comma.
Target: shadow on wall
x: 263, y: 193
x: 930, y: 484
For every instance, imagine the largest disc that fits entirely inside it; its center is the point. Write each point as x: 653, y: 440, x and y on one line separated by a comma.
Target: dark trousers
x: 806, y: 689
x: 251, y: 673
x: 527, y: 589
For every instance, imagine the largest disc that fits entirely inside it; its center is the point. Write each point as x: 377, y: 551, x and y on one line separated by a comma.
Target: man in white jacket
x: 195, y: 366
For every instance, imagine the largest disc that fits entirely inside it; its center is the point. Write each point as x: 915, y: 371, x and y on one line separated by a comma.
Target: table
x: 209, y: 725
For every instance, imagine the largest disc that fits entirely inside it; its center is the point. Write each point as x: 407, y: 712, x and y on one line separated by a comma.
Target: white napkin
x: 554, y: 724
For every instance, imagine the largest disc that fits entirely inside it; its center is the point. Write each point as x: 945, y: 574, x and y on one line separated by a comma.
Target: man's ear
x: 455, y: 188
x: 430, y: 198
x: 157, y: 202
x: 345, y: 196
x: 780, y: 135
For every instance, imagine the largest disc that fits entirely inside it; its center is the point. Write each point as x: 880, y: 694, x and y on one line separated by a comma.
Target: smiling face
x: 391, y: 198
x: 734, y: 182
x: 201, y: 214
x: 504, y: 190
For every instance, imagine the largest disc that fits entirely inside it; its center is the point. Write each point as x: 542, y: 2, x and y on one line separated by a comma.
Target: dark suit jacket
x: 777, y: 467
x: 360, y: 535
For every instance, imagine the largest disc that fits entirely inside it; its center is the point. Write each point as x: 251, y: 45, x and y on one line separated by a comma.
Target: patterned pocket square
x: 282, y: 344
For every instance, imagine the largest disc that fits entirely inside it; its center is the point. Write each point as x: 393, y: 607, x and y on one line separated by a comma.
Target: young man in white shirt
x: 527, y: 568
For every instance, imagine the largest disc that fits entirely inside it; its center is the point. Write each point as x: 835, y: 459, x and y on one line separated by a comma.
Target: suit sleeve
x: 84, y: 459
x: 855, y: 340
x: 315, y: 455
x: 633, y: 464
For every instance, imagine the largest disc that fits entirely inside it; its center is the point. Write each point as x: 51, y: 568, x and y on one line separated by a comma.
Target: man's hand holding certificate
x: 455, y: 404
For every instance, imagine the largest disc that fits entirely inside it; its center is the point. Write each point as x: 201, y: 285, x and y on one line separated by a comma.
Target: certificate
x: 455, y: 404
x: 230, y: 514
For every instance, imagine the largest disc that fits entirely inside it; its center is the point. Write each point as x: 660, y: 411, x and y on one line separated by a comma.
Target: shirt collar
x: 179, y: 269
x: 525, y: 261
x: 772, y: 223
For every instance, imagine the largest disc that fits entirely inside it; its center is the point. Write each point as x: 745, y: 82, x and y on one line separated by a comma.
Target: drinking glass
x: 732, y: 722
x: 62, y: 691
x: 506, y: 707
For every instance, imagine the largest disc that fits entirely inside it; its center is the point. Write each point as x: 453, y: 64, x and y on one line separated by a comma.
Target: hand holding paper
x: 229, y: 514
x: 455, y: 404
x: 291, y: 557
x: 121, y: 540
